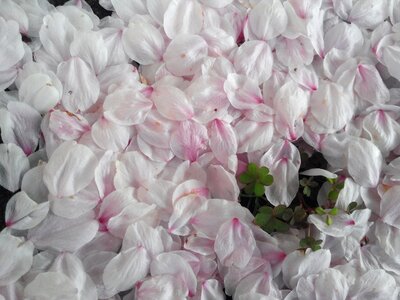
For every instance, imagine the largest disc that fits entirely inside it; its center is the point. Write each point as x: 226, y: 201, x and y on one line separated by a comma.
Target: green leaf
x: 269, y: 227
x: 279, y: 210
x: 266, y: 210
x: 287, y: 214
x: 317, y: 242
x: 259, y: 189
x: 329, y: 220
x: 334, y: 211
x: 315, y: 247
x: 245, y: 178
x: 307, y: 191
x: 304, y: 243
x: 331, y: 180
x: 333, y: 195
x: 340, y: 185
x: 303, y: 182
x: 299, y: 214
x: 262, y: 219
x: 280, y: 226
x: 352, y: 207
x: 263, y: 171
x: 252, y: 170
x: 266, y: 179
x: 249, y: 189
x: 320, y: 211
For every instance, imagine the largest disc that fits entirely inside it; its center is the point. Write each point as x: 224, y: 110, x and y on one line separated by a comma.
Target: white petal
x: 294, y: 52
x: 143, y: 43
x: 110, y: 136
x: 13, y: 165
x: 183, y: 16
x: 142, y: 235
x: 253, y: 136
x: 185, y: 54
x: 389, y: 207
x: 369, y: 85
x: 391, y: 59
x: 242, y: 91
x: 369, y: 13
x: 223, y: 142
x: 77, y: 96
x: 157, y: 9
x: 68, y: 126
x: 70, y: 169
x: 32, y: 184
x: 126, y: 9
x: 12, y: 49
x: 222, y: 184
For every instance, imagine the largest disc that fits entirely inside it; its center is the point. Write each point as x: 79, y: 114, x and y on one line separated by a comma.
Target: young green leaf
x: 259, y: 189
x: 329, y: 220
x: 333, y: 211
x: 262, y: 219
x: 287, y: 214
x: 279, y: 210
x: 266, y: 179
x: 280, y: 226
x: 252, y: 170
x: 307, y: 191
x: 320, y: 211
x: 245, y: 178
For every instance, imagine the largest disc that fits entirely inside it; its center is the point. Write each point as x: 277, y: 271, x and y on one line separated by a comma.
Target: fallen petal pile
x: 163, y: 152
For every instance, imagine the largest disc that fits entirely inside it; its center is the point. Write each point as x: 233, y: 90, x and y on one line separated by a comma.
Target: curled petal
x: 242, y: 91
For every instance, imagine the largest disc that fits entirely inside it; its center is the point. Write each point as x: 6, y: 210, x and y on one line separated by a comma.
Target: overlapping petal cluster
x: 123, y: 138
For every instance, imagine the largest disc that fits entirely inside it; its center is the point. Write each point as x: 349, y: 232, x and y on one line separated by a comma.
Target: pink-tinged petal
x: 133, y: 169
x: 23, y: 213
x: 104, y: 174
x: 343, y: 224
x: 154, y: 153
x: 12, y: 49
x: 214, y: 4
x: 63, y: 234
x: 78, y: 96
x: 345, y: 37
x: 126, y: 107
x: 56, y: 34
x: 70, y: 169
x: 369, y: 13
x: 223, y: 141
x: 157, y: 9
x: 222, y: 184
x: 127, y: 268
x: 243, y: 92
x: 185, y: 54
x: 116, y: 76
x: 374, y: 284
x: 173, y: 264
x: 189, y: 140
x: 183, y: 210
x: 305, y: 77
x: 364, y: 162
x: 68, y: 126
x: 253, y: 136
x: 369, y: 85
x: 268, y: 19
x: 113, y: 38
x: 20, y: 124
x: 183, y: 16
x: 254, y: 59
x: 391, y: 59
x: 126, y: 9
x: 172, y: 103
x: 283, y: 160
x: 132, y: 213
x: 294, y: 52
x: 81, y: 18
x: 41, y: 91
x: 389, y: 207
x: 298, y: 264
x: 215, y: 212
x: 234, y: 243
x: 331, y: 106
x: 14, y: 164
x: 200, y: 245
x: 220, y: 42
x: 10, y: 10
x: 290, y: 105
x: 208, y: 98
x: 142, y: 235
x: 58, y: 286
x: 32, y: 184
x: 16, y: 256
x: 91, y: 48
x: 190, y: 187
x: 76, y: 205
x: 161, y: 287
x: 257, y: 284
x: 110, y: 136
x: 211, y: 289
x: 143, y: 43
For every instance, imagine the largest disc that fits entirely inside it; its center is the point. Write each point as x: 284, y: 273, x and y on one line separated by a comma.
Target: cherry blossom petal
x: 253, y: 136
x: 389, y: 207
x: 222, y: 184
x: 127, y: 9
x: 162, y: 287
x: 125, y: 269
x: 70, y: 169
x: 13, y: 165
x: 77, y: 96
x: 110, y: 136
x: 294, y: 52
x: 12, y: 50
x: 243, y: 92
x: 254, y: 59
x: 157, y: 9
x: 369, y: 13
x: 68, y: 126
x: 143, y: 43
x: 185, y: 54
x: 369, y: 85
x: 142, y: 235
x: 391, y: 59
x: 223, y: 141
x: 32, y: 184
x: 23, y: 213
x: 268, y: 19
x: 183, y: 16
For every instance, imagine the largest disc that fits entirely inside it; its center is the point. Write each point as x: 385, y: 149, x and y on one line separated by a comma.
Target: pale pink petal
x: 143, y: 43
x: 32, y: 184
x: 91, y: 48
x: 211, y: 289
x: 23, y: 213
x: 113, y: 38
x: 391, y: 59
x: 126, y: 107
x: 124, y: 270
x: 110, y: 136
x: 201, y: 245
x: 104, y: 174
x: 376, y: 284
x: 126, y: 9
x: 183, y: 16
x: 56, y: 34
x: 161, y: 287
x: 243, y: 92
x: 343, y: 36
x: 369, y: 85
x: 70, y: 169
x: 10, y: 10
x: 268, y: 19
x: 222, y: 184
x: 223, y: 141
x: 189, y: 140
x: 12, y: 50
x: 220, y: 42
x: 76, y: 96
x: 294, y: 52
x: 142, y: 235
x: 63, y: 234
x: 253, y: 136
x: 68, y: 126
x: 254, y: 59
x: 389, y: 206
x: 185, y: 54
x: 116, y: 76
x: 14, y: 164
x: 58, y: 286
x: 234, y: 243
x: 305, y: 77
x: 157, y: 9
x: 369, y: 13
x: 16, y: 257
